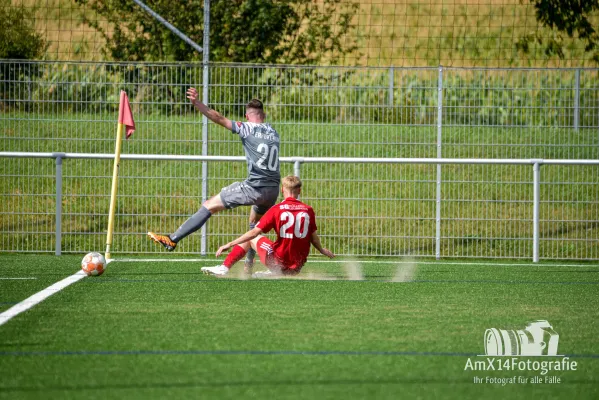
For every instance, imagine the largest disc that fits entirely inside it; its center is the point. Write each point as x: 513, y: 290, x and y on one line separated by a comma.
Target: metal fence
x: 366, y: 209
x: 551, y: 113
x: 384, y: 217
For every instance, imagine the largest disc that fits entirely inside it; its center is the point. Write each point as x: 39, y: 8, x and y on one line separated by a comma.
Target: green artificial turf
x: 162, y: 329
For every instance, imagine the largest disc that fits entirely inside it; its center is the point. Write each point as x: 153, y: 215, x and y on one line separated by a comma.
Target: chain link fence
x: 487, y: 33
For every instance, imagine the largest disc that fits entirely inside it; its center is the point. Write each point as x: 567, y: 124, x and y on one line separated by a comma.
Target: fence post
x: 391, y: 85
x: 439, y: 155
x: 577, y: 101
x: 58, y: 231
x: 205, y: 100
x: 535, y: 210
x: 297, y: 167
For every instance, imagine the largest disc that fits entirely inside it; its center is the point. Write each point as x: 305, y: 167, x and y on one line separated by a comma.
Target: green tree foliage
x: 256, y: 31
x: 18, y: 38
x: 19, y: 41
x: 572, y: 17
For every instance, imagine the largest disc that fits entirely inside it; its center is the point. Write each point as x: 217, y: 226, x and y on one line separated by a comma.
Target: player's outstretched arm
x: 249, y: 235
x: 214, y: 116
x: 315, y: 240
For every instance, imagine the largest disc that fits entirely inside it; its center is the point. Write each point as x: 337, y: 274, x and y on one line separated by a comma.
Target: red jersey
x: 294, y: 223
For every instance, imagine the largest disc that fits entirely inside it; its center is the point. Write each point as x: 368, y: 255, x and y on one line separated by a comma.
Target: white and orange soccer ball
x: 93, y: 264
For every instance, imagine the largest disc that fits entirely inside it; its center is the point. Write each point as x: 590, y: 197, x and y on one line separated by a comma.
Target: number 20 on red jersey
x: 294, y: 225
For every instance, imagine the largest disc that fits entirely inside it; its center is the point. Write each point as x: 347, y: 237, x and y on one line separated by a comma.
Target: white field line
x: 440, y: 263
x: 18, y: 278
x: 39, y: 297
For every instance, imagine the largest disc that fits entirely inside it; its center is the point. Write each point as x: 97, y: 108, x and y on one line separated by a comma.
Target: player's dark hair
x: 256, y: 105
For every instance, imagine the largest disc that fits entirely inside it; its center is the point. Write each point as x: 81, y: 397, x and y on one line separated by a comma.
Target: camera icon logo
x: 537, y: 339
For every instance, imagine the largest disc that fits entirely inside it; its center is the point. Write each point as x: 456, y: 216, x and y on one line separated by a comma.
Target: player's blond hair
x: 291, y: 183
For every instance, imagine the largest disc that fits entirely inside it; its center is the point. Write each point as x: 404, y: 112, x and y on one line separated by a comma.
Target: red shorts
x: 265, y: 250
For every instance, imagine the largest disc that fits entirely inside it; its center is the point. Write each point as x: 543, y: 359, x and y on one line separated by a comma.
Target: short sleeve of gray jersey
x: 261, y: 145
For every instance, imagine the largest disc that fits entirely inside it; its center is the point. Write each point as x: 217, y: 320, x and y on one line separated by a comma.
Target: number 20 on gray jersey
x: 270, y: 157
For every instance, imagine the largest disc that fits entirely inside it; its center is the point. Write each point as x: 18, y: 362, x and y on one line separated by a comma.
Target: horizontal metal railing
x: 307, y: 160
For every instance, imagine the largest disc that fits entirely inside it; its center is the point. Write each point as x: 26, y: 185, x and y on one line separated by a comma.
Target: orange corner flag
x: 125, y: 115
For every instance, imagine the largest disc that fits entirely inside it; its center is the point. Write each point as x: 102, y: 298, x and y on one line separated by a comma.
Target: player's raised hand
x: 192, y: 94
x: 221, y: 249
x: 328, y: 253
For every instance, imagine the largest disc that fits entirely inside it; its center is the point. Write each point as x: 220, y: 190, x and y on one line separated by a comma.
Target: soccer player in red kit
x: 295, y: 225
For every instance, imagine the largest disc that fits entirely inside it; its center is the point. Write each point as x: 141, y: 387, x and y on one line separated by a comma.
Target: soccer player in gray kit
x: 261, y: 188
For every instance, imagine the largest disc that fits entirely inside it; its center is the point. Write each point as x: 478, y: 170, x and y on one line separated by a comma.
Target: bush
x: 18, y: 40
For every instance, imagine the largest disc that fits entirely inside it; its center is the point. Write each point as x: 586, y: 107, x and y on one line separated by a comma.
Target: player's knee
x: 254, y: 241
x: 214, y: 204
x: 254, y: 217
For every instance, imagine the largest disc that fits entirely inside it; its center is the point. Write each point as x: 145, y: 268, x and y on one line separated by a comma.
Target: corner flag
x: 125, y: 121
x: 125, y: 115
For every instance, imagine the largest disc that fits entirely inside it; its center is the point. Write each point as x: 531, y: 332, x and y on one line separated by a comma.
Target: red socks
x: 235, y: 255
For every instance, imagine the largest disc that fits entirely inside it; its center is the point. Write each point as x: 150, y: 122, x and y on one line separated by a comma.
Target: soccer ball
x: 93, y: 264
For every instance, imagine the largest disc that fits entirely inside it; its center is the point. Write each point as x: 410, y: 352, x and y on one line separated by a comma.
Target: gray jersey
x: 261, y: 145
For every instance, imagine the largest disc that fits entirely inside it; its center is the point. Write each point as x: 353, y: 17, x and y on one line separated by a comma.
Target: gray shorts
x: 242, y: 194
